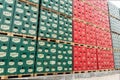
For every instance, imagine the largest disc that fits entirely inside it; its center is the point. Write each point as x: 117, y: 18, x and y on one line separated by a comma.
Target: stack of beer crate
x: 115, y: 31
x: 54, y: 54
x: 91, y: 33
x: 18, y: 26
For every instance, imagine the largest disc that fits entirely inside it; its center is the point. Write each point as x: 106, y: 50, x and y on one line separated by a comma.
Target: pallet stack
x: 54, y: 55
x: 92, y: 35
x: 40, y: 36
x: 18, y: 26
x: 115, y: 31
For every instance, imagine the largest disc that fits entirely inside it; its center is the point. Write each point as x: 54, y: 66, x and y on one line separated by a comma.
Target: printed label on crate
x: 31, y: 48
x: 16, y: 30
x: 70, y: 29
x: 34, y: 15
x: 26, y: 25
x: 10, y: 1
x: 54, y: 35
x: 59, y: 63
x: 9, y: 8
x: 65, y: 69
x: 19, y: 10
x: 18, y: 23
x: 19, y: 5
x: 48, y: 45
x: 48, y: 57
x: 54, y: 25
x: 48, y: 24
x: 60, y: 45
x: 52, y: 62
x: 7, y: 21
x: 29, y: 62
x: 34, y: 27
x: 1, y: 6
x: 20, y: 63
x: 28, y: 13
x: 33, y: 20
x: 47, y: 69
x: 30, y: 70
x: 43, y: 28
x: 46, y: 51
x: 70, y: 39
x: 39, y: 50
x: 53, y: 50
x: 24, y: 56
x: 25, y: 19
x: 39, y: 63
x: 64, y: 63
x: 34, y: 9
x: 47, y: 35
x: 13, y: 48
x: 4, y: 39
x: 64, y: 52
x: 2, y: 63
x: 69, y: 62
x: 54, y: 7
x: 26, y: 7
x: 23, y: 31
x: 31, y: 56
x: 42, y: 43
x: 25, y: 42
x: 5, y: 27
x: 14, y: 54
x: 62, y: 10
x: 45, y: 63
x: 61, y: 32
x: 22, y: 70
x: 12, y: 70
x: 40, y: 55
x: 43, y: 17
x: 42, y: 23
x: 32, y: 31
x: 53, y: 69
x: 59, y: 68
x: 61, y: 22
x: 1, y: 70
x: 11, y: 63
x: 39, y: 69
x: 4, y: 47
x: 6, y: 13
x: 69, y: 52
x: 60, y: 56
x: 53, y: 57
x: 32, y: 43
x: 22, y: 48
x: 3, y: 54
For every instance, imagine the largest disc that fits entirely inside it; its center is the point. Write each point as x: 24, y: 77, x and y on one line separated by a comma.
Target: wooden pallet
x: 89, y: 71
x: 17, y: 35
x: 54, y: 73
x: 117, y: 69
x: 103, y: 70
x: 23, y: 36
x: 6, y: 77
x: 55, y: 40
x: 30, y: 3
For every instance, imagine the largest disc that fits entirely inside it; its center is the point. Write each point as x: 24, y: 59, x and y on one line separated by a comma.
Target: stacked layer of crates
x: 18, y: 26
x: 115, y: 31
x: 55, y: 24
x: 92, y: 32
